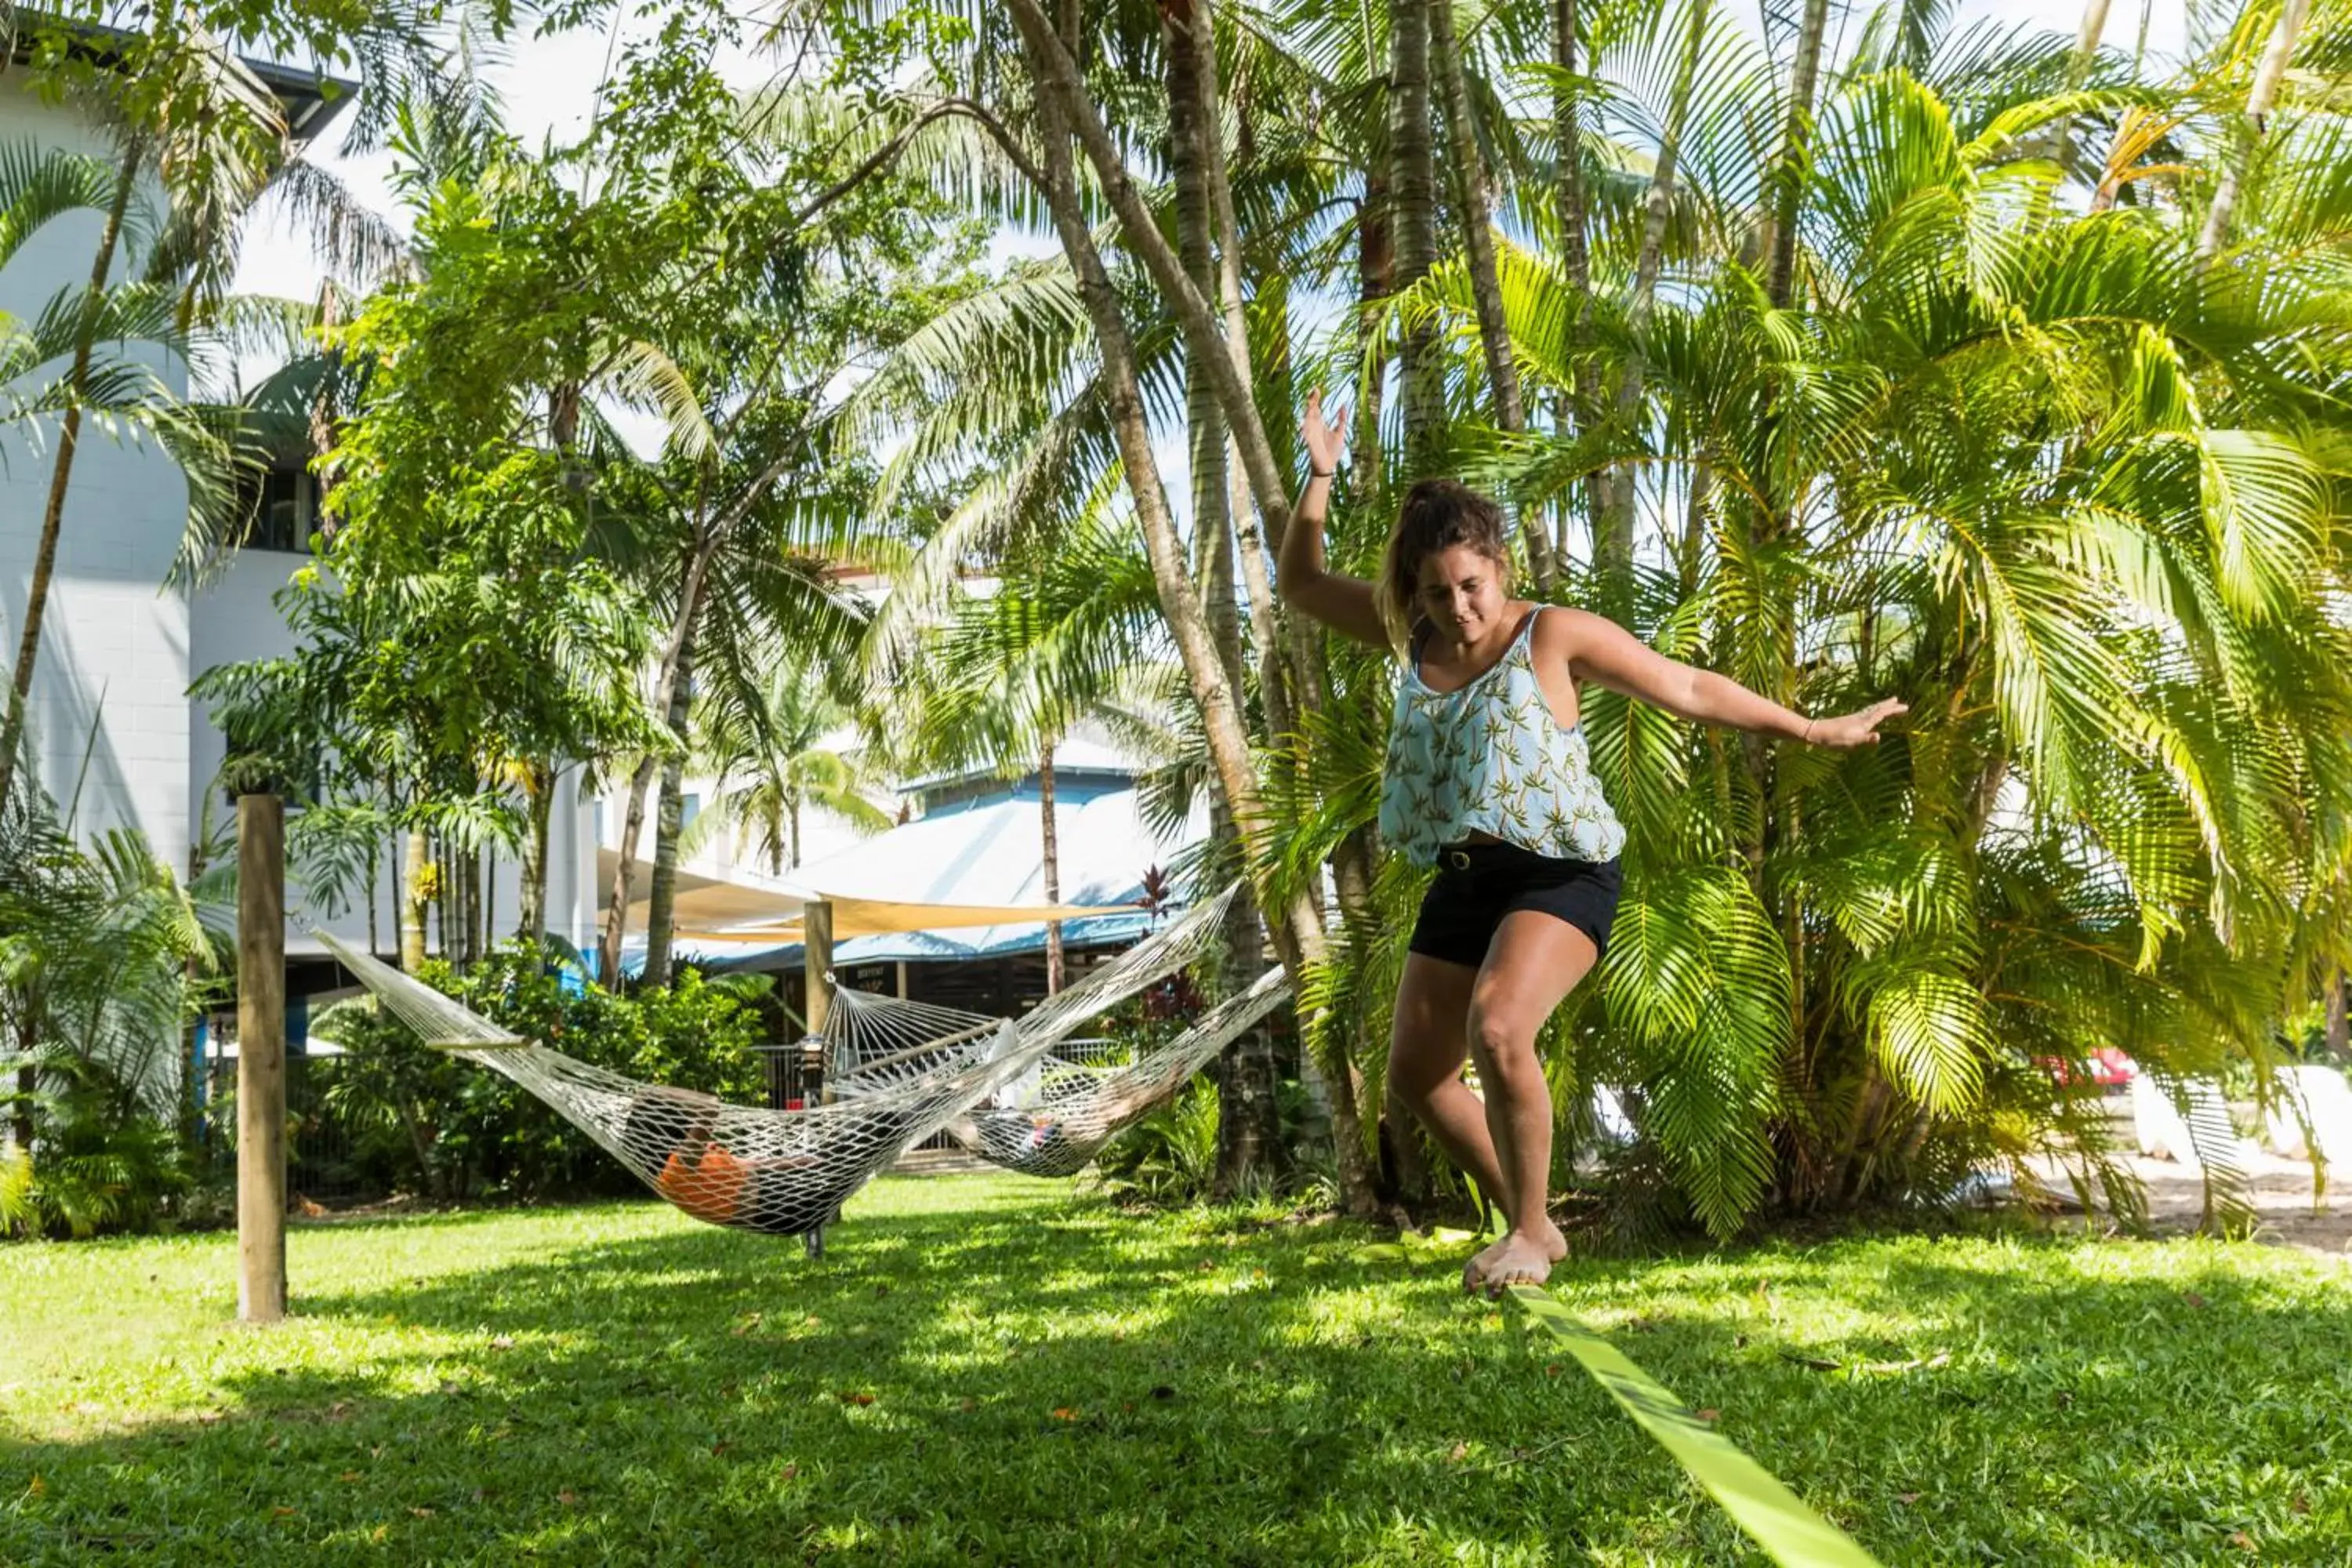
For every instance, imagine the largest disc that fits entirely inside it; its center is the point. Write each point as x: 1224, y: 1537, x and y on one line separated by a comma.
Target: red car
x: 2106, y: 1067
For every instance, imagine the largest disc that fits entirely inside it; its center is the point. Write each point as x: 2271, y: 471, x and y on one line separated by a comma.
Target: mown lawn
x: 990, y: 1370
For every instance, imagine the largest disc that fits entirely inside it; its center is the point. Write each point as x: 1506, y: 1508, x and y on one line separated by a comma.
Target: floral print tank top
x: 1490, y: 758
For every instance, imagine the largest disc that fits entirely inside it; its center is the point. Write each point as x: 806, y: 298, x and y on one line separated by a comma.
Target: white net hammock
x: 782, y: 1173
x: 1056, y: 1116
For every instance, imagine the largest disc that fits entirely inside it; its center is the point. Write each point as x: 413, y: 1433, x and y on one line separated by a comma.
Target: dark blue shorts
x: 1477, y: 884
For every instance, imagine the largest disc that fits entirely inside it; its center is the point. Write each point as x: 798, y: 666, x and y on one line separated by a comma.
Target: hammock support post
x: 816, y: 961
x: 260, y: 1058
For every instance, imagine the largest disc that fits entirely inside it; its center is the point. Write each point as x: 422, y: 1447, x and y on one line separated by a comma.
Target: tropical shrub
x: 421, y: 1120
x: 102, y: 960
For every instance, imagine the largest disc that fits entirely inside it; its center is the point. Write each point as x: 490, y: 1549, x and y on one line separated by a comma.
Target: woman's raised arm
x: 1344, y: 603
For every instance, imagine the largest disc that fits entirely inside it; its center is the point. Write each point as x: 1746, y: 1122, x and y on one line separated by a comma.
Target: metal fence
x: 318, y: 1146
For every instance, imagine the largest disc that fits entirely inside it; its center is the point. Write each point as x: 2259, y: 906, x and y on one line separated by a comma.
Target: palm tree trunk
x: 1475, y: 196
x: 1249, y: 1127
x: 1788, y: 181
x: 445, y: 868
x: 1573, y: 214
x: 2087, y: 34
x: 1298, y: 935
x: 661, y: 896
x: 1051, y: 863
x: 2260, y: 100
x: 539, y: 791
x: 1568, y: 174
x: 53, y: 516
x: 416, y: 891
x: 376, y: 868
x: 1197, y: 77
x: 1212, y: 538
x: 1413, y: 192
x: 2340, y: 1019
x: 616, y: 909
x: 472, y: 913
x: 1375, y: 281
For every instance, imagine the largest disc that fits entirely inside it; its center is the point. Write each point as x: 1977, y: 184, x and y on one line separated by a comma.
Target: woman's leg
x: 1427, y: 1045
x: 1535, y: 962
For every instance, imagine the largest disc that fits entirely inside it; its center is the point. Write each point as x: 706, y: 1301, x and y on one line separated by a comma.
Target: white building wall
x: 109, y: 710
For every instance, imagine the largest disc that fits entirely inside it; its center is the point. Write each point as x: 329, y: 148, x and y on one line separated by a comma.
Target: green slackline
x: 1773, y: 1516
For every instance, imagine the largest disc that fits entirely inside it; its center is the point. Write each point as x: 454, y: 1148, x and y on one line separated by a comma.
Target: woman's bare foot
x: 1517, y: 1259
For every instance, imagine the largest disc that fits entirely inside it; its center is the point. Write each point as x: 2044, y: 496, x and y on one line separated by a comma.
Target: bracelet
x: 1313, y: 473
x: 1807, y: 738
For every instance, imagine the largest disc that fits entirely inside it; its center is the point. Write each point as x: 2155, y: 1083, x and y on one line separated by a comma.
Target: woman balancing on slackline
x: 1488, y: 780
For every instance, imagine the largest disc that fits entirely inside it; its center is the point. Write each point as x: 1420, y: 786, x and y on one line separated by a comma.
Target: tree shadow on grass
x: 1038, y: 1381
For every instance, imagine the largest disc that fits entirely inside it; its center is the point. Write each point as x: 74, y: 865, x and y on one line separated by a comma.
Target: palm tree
x: 1069, y: 635
x: 773, y: 757
x: 738, y: 560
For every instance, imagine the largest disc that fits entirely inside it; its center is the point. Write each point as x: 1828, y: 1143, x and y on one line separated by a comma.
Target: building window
x: 281, y: 509
x: 689, y: 806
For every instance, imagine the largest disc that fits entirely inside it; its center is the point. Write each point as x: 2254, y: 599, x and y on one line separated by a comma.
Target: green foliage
x: 419, y: 1119
x: 94, y: 1168
x: 1170, y: 1156
x: 2039, y: 473
x: 102, y: 961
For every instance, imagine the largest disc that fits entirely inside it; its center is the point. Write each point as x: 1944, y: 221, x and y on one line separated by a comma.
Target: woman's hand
x: 1325, y: 443
x: 1851, y: 730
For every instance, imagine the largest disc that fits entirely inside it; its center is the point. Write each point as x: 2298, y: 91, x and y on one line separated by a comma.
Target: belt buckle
x: 1459, y: 860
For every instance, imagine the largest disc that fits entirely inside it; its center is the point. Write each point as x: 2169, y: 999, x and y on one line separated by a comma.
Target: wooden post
x: 260, y: 1058
x: 816, y: 960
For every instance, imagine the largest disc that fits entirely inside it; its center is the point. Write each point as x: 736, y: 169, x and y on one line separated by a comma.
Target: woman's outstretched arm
x: 1600, y: 650
x: 1344, y: 603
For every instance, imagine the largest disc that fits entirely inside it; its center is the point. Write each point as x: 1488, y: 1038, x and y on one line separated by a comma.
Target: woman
x: 1488, y: 780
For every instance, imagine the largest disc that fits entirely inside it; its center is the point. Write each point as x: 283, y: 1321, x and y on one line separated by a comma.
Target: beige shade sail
x: 707, y: 910
x: 869, y: 916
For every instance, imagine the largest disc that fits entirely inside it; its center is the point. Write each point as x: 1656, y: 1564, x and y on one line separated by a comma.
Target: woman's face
x: 1462, y: 592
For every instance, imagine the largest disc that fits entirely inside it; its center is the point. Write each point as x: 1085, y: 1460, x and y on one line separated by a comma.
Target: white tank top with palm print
x: 1490, y: 758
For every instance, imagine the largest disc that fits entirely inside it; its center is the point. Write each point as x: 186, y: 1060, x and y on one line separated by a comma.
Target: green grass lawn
x: 990, y: 1370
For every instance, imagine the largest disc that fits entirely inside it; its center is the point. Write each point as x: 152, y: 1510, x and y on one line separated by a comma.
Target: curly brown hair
x: 1437, y: 514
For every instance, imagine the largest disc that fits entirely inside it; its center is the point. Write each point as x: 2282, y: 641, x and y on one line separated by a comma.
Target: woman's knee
x: 1504, y: 1048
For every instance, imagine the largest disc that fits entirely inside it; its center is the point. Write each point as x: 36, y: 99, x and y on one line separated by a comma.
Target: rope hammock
x: 875, y: 1044
x: 780, y: 1172
x: 1054, y: 1117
